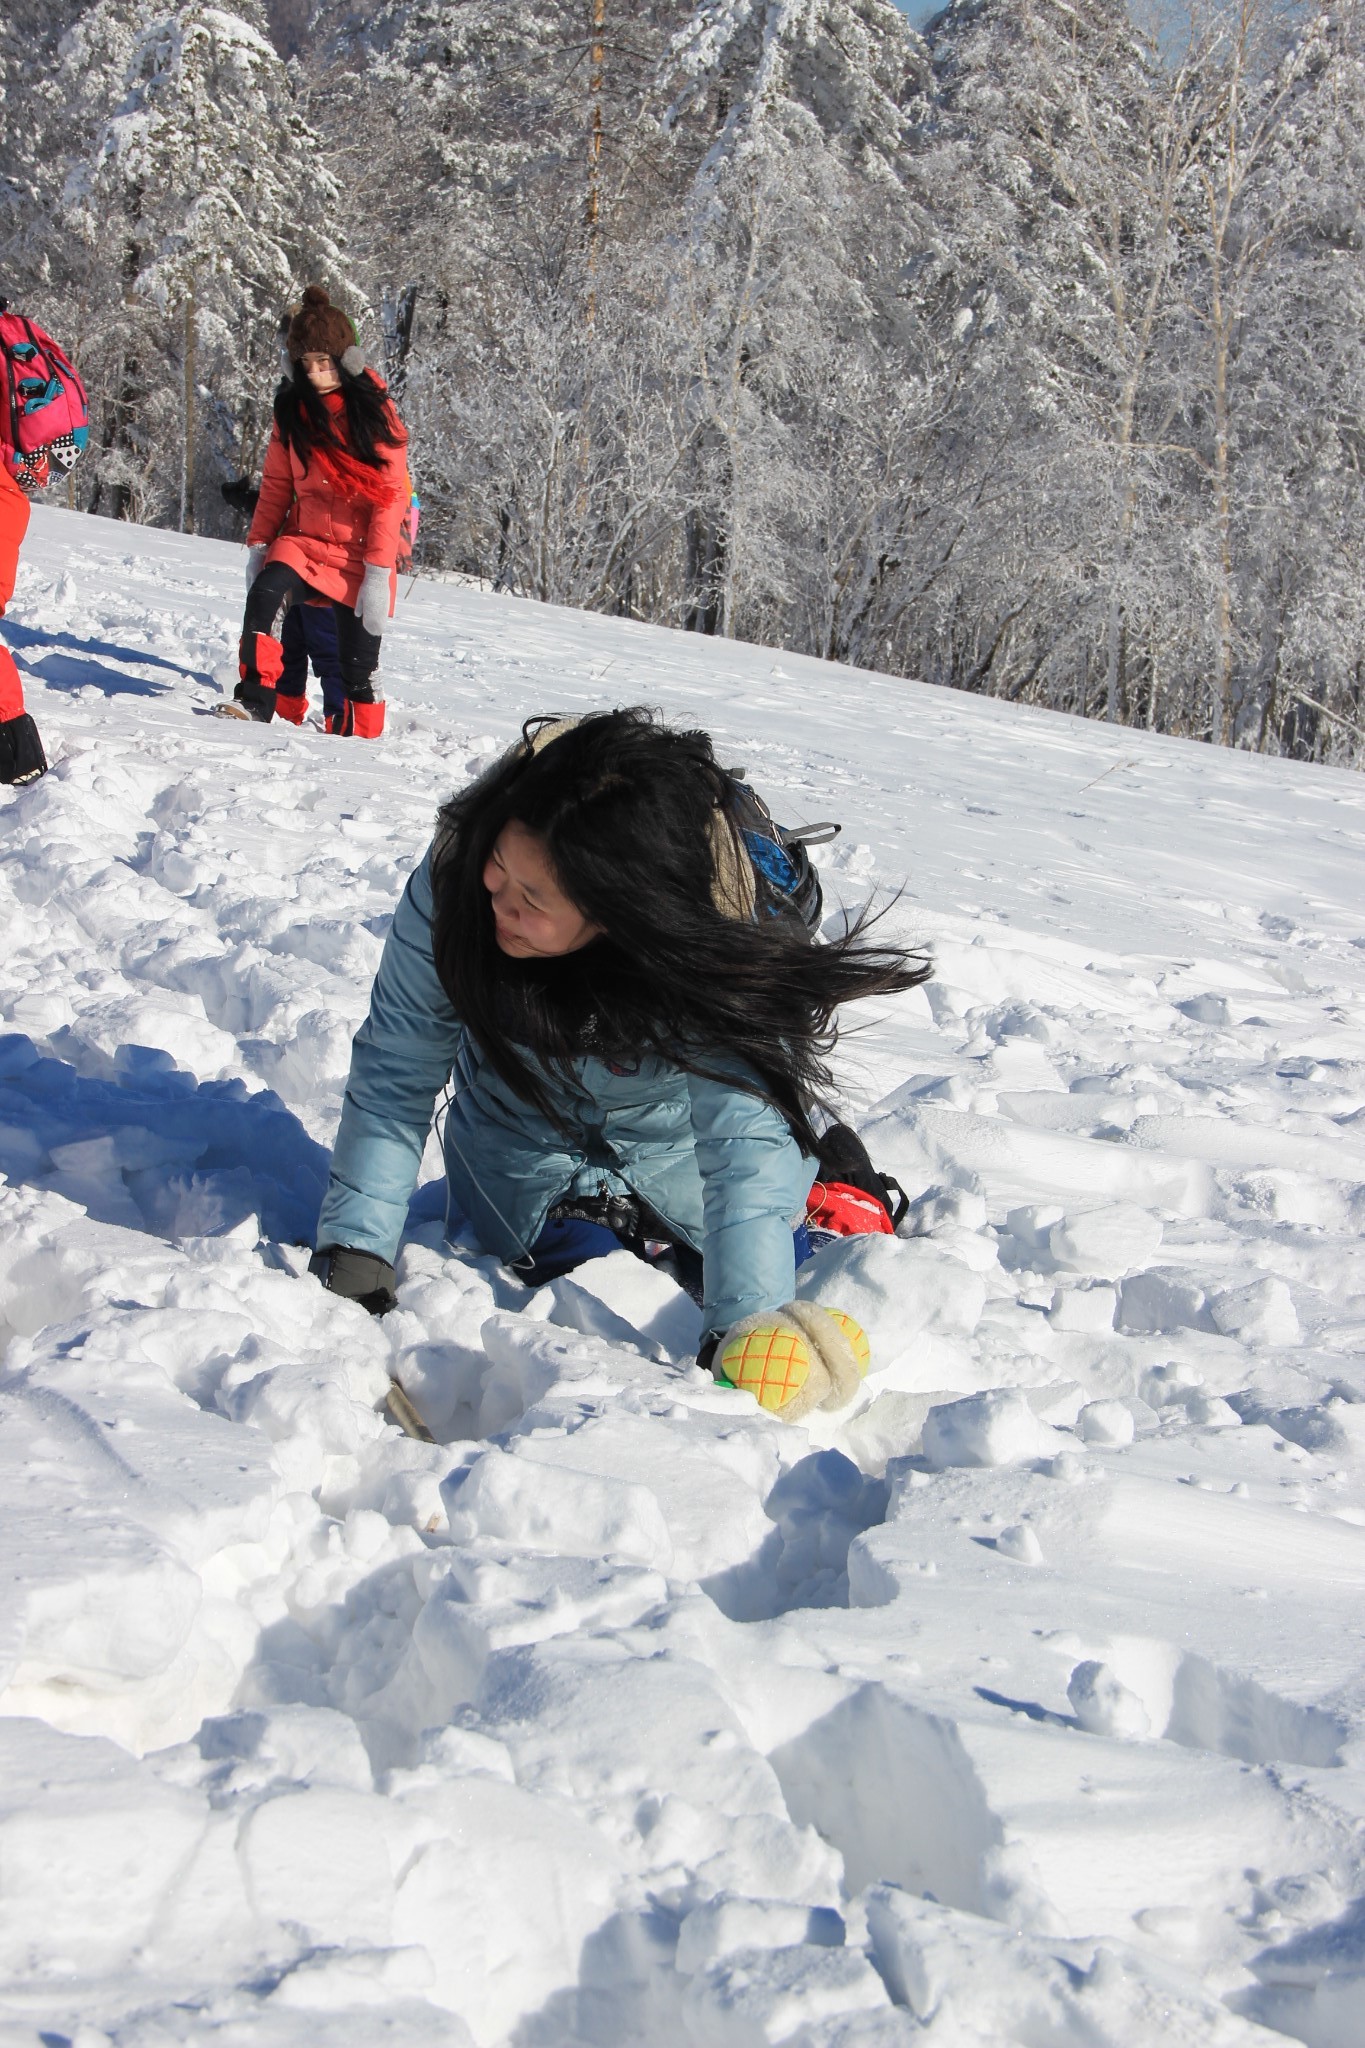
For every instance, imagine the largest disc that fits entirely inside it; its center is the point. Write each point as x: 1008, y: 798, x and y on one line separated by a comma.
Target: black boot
x: 21, y: 751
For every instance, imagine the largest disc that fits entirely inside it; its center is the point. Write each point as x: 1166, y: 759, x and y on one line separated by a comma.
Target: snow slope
x: 1025, y: 1705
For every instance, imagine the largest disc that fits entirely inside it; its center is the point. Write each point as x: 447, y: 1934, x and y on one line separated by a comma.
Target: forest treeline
x: 1022, y: 354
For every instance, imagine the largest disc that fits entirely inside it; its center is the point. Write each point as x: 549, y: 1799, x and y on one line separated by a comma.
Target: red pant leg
x: 13, y: 527
x: 11, y: 688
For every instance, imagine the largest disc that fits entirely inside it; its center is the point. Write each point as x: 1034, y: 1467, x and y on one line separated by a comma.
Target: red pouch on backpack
x: 834, y: 1206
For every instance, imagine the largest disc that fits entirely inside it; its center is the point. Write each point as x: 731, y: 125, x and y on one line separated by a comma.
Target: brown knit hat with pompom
x: 320, y: 328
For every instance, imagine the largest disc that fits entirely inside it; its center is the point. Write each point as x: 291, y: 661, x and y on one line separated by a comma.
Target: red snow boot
x: 359, y: 721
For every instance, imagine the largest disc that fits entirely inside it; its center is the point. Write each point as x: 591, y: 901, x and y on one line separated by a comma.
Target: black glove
x: 357, y: 1276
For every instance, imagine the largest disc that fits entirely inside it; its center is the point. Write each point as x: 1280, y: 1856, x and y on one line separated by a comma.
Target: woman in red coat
x: 327, y: 523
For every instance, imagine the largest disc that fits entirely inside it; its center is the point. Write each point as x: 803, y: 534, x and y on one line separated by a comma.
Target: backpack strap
x: 734, y: 890
x: 11, y: 441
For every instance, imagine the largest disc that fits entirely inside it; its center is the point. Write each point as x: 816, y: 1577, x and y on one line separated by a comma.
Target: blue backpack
x: 785, y: 877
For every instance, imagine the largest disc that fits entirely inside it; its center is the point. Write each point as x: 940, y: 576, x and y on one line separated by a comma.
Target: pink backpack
x: 45, y: 413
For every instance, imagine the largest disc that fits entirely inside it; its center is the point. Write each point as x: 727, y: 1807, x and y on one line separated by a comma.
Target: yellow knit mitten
x: 794, y: 1358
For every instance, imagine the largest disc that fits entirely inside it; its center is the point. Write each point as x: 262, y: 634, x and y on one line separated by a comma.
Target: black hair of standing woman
x: 305, y: 422
x: 636, y: 822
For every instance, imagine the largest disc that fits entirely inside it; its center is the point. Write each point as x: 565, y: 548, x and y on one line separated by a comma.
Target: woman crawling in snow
x: 635, y: 1034
x: 328, y: 522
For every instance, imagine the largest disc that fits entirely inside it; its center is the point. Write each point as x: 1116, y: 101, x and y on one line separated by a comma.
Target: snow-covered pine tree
x: 788, y: 118
x: 1229, y: 241
x: 1059, y: 144
x: 743, y: 69
x: 1266, y: 381
x: 518, y: 184
x: 1304, y: 691
x: 30, y: 31
x: 206, y: 196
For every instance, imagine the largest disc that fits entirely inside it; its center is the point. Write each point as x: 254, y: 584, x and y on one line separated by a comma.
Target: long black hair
x: 306, y: 423
x: 635, y: 822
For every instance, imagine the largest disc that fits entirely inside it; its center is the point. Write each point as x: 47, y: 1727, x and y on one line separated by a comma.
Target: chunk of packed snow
x: 994, y: 1428
x: 1108, y: 1424
x: 1021, y: 1543
x: 906, y: 1293
x: 1088, y: 1310
x: 1106, y: 1242
x: 638, y: 1301
x: 724, y: 1924
x: 1160, y: 1301
x: 966, y: 1980
x: 1103, y: 1704
x: 1260, y: 1313
x: 891, y: 1426
x: 534, y: 1505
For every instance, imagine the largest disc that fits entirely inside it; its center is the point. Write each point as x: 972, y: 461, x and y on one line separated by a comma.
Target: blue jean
x: 309, y: 633
x: 569, y: 1241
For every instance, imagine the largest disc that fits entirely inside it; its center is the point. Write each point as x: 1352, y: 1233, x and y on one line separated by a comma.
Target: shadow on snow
x: 85, y: 663
x: 152, y: 1149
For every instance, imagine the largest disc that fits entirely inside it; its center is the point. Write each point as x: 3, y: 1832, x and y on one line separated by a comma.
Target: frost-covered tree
x: 30, y: 31
x: 1280, y: 317
x: 1323, y: 641
x: 1059, y: 144
x: 1264, y: 377
x: 473, y: 132
x: 769, y: 75
x: 787, y: 118
x: 72, y: 289
x: 494, y: 166
x: 1234, y: 261
x: 203, y: 201
x: 560, y: 454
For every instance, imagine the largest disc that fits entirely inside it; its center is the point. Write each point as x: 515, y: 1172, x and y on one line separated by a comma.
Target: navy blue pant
x: 309, y: 634
x: 569, y: 1241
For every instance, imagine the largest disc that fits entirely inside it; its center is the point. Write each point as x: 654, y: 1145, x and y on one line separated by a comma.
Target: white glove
x: 255, y: 562
x: 372, y: 603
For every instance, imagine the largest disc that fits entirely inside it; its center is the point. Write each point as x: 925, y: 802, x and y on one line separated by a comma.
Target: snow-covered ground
x: 1025, y: 1705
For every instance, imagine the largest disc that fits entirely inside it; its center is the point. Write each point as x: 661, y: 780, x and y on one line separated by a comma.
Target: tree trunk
x: 397, y: 310
x: 122, y: 402
x: 187, y: 469
x: 594, y: 206
x: 705, y: 573
x: 1223, y: 502
x: 1113, y: 660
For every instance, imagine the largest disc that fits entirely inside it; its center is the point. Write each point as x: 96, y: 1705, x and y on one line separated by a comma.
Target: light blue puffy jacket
x: 717, y: 1163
